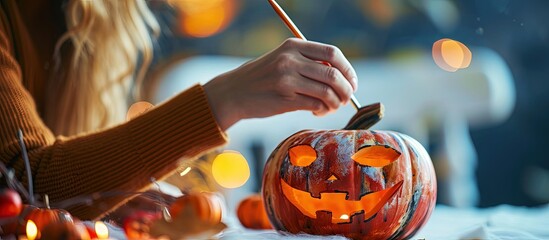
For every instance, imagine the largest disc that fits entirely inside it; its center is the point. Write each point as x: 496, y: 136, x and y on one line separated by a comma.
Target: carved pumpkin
x: 206, y: 207
x: 251, y: 213
x: 358, y: 183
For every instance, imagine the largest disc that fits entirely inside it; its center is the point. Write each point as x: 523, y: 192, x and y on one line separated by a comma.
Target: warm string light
x: 230, y: 169
x: 32, y: 230
x: 101, y: 230
x: 451, y: 55
x: 184, y: 172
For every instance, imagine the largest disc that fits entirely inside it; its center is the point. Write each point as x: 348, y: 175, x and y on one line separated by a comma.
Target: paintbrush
x: 365, y: 117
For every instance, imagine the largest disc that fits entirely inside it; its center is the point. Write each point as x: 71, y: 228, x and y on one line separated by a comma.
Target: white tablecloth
x: 502, y: 222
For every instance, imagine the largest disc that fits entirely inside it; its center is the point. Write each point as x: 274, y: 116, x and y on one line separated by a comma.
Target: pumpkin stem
x: 27, y: 165
x: 366, y: 117
x: 47, y: 201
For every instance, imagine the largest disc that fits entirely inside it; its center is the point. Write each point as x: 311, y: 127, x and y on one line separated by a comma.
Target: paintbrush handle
x: 286, y: 19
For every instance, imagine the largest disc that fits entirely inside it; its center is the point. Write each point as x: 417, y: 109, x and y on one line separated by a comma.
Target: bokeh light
x: 101, y: 230
x: 137, y: 109
x: 451, y: 55
x: 230, y: 169
x: 198, y: 18
x: 381, y: 12
x: 32, y: 230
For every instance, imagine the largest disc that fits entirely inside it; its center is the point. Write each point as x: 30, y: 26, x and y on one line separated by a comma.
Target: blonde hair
x: 93, y: 82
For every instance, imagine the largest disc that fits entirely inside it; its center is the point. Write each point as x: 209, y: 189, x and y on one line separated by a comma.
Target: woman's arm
x: 122, y: 158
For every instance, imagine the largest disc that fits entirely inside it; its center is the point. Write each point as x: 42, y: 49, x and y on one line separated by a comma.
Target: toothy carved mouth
x: 336, y: 203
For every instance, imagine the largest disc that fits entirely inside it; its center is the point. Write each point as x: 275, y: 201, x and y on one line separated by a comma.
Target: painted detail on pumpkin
x: 337, y: 204
x: 302, y: 155
x: 376, y: 156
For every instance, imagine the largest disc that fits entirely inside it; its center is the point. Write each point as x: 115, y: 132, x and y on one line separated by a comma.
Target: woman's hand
x: 289, y: 78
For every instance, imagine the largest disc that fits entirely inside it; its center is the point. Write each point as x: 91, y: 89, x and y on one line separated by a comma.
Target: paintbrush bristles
x: 366, y: 117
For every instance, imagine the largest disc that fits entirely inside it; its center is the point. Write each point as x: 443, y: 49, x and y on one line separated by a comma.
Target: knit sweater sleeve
x: 121, y: 158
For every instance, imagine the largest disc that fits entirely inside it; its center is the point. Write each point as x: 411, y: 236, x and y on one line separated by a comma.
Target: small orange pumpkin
x: 137, y: 225
x: 45, y: 216
x: 65, y: 230
x: 207, y: 207
x: 251, y: 213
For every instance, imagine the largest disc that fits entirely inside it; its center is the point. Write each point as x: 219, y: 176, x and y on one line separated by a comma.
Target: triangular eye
x: 302, y: 155
x: 376, y: 156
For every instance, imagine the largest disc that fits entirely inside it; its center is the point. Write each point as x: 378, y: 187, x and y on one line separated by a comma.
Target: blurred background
x: 485, y: 125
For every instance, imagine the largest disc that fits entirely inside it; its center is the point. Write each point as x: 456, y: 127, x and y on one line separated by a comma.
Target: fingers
x: 304, y: 102
x: 323, y: 52
x: 329, y: 76
x: 319, y: 91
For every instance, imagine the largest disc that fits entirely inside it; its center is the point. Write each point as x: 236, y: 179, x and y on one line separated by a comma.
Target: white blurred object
x: 417, y: 95
x: 443, y: 13
x: 461, y: 187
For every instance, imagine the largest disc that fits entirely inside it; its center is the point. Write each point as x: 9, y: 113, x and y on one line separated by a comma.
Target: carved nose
x: 332, y: 178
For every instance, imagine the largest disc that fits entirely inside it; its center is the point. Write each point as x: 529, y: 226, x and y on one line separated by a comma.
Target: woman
x: 68, y: 69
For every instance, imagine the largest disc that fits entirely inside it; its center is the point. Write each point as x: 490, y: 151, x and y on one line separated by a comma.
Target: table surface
x: 502, y: 222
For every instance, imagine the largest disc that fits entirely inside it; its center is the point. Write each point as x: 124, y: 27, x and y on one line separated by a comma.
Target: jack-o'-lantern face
x: 337, y: 202
x: 358, y: 183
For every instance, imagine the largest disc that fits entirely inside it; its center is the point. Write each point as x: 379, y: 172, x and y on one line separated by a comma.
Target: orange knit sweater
x: 121, y: 158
